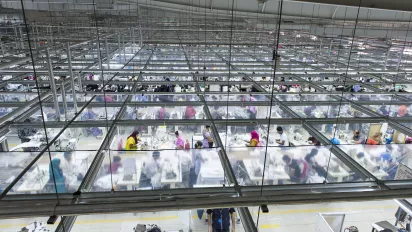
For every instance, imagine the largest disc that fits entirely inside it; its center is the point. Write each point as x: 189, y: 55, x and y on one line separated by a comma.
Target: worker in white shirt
x: 69, y: 168
x: 151, y: 171
x: 283, y: 140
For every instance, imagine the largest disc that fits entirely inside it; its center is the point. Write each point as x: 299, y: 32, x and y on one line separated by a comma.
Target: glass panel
x: 383, y: 161
x: 182, y: 220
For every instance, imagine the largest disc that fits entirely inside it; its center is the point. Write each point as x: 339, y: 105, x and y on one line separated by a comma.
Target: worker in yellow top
x: 132, y: 140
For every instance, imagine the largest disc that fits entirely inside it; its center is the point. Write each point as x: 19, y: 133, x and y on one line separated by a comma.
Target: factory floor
x: 283, y: 218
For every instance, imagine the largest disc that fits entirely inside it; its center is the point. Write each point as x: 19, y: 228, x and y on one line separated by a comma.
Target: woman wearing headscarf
x: 376, y: 139
x: 180, y: 142
x: 190, y: 112
x: 56, y: 174
x: 403, y: 111
x: 254, y: 139
x: 207, y: 137
x: 131, y: 142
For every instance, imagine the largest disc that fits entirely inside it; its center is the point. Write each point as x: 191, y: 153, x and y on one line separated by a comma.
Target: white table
x: 211, y: 172
x: 339, y: 174
x: 271, y: 173
x: 174, y: 181
x: 134, y: 181
x: 30, y: 144
x: 37, y: 185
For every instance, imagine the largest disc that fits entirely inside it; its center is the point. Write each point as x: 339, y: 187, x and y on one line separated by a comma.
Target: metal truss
x: 199, y: 59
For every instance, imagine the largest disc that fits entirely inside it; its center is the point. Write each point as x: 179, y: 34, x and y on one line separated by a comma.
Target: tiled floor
x: 283, y: 218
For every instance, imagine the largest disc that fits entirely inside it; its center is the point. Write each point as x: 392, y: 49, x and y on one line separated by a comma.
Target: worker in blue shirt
x: 219, y: 220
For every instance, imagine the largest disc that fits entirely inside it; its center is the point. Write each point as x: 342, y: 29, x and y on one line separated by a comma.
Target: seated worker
x: 219, y: 220
x: 313, y: 163
x: 132, y: 140
x: 376, y: 139
x: 162, y: 114
x: 283, y: 140
x: 115, y: 165
x: 357, y: 139
x: 384, y: 111
x: 312, y: 140
x: 196, y: 163
x: 190, y: 113
x: 309, y: 111
x: 297, y: 170
x: 151, y: 172
x: 403, y: 111
x: 56, y: 176
x: 24, y: 133
x: 252, y: 110
x: 207, y: 137
x: 180, y: 141
x: 69, y: 168
x: 254, y: 139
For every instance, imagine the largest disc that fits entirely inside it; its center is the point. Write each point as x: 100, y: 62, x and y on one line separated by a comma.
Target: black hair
x: 279, y: 128
x: 177, y: 133
x: 286, y: 158
x: 67, y: 154
x: 199, y: 144
x: 207, y: 126
x: 360, y: 155
x: 156, y: 153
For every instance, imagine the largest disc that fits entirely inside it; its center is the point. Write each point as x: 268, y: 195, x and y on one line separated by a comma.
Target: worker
x: 190, y: 113
x: 254, y: 139
x: 132, y: 140
x: 252, y: 110
x: 207, y: 137
x: 376, y: 139
x: 360, y: 159
x: 151, y: 172
x: 25, y: 133
x: 161, y: 114
x: 67, y: 165
x: 283, y: 140
x: 314, y: 164
x: 384, y: 111
x: 196, y: 163
x: 357, y: 139
x: 309, y: 111
x: 180, y: 142
x: 403, y: 111
x: 115, y: 165
x: 312, y: 140
x: 219, y: 220
x: 297, y: 170
x: 57, y: 181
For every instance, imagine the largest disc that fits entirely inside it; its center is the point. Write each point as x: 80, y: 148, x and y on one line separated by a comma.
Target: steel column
x: 108, y: 58
x: 53, y: 84
x: 69, y: 60
x: 63, y: 93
